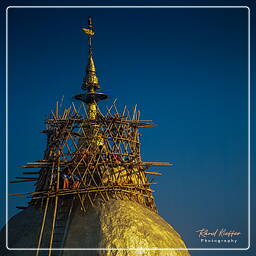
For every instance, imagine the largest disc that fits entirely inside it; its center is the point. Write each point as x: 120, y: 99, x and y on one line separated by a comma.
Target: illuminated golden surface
x: 90, y: 65
x: 91, y: 78
x: 127, y: 224
x: 92, y: 110
x: 88, y: 31
x: 113, y: 224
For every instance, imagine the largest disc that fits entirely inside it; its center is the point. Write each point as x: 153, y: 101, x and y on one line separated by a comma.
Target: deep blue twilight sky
x: 187, y: 69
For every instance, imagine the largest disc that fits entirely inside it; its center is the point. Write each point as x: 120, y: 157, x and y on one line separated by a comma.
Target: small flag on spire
x: 89, y: 31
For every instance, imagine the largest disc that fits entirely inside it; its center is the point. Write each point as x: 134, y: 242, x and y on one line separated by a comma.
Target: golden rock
x: 117, y: 224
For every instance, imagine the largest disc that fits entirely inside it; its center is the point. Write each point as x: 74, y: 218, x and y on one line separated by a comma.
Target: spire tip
x: 89, y: 30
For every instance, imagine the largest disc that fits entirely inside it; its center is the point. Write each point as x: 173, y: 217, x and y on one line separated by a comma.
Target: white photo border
x: 249, y: 134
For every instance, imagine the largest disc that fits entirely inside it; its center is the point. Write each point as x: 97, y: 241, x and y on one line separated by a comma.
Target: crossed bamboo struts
x: 117, y: 162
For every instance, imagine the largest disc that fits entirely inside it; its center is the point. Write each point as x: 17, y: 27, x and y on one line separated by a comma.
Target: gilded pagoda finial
x: 90, y: 32
x: 91, y: 82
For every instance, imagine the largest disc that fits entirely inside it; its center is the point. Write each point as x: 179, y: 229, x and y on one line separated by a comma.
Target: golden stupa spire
x: 91, y: 82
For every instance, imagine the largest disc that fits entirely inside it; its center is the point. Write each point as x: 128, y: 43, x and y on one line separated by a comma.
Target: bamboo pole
x: 44, y: 217
x: 26, y: 178
x: 21, y: 207
x: 30, y: 172
x: 98, y: 189
x: 18, y: 181
x: 154, y: 173
x: 157, y: 164
x: 55, y: 206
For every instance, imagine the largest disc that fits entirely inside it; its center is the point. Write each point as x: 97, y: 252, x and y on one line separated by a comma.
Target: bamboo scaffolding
x: 104, y: 153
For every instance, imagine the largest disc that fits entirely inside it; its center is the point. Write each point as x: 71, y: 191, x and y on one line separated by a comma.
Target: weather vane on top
x: 90, y: 32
